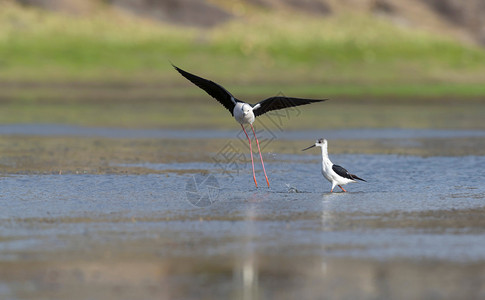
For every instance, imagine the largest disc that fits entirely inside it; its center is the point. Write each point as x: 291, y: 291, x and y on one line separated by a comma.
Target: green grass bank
x: 110, y: 68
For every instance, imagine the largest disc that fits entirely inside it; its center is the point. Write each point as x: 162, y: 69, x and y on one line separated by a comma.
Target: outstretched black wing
x: 344, y: 173
x: 280, y: 102
x: 215, y: 90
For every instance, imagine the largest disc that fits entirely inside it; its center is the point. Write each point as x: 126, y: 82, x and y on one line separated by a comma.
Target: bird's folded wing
x: 342, y: 172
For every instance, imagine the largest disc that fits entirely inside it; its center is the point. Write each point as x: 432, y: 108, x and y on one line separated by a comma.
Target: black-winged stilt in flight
x: 336, y: 174
x: 245, y: 113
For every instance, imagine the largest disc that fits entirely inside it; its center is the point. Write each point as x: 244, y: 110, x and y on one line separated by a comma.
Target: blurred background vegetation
x: 107, y: 62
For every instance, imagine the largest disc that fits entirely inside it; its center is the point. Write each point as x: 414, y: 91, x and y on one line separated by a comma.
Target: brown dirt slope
x: 460, y: 18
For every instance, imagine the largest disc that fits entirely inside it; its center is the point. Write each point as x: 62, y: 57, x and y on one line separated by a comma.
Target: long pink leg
x: 251, y: 151
x: 257, y: 143
x: 342, y: 188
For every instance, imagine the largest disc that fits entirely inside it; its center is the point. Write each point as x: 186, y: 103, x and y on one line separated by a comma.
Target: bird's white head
x: 246, y: 109
x: 318, y: 143
x: 321, y: 142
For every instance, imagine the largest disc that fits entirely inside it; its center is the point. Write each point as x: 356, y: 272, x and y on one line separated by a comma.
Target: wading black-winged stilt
x: 336, y: 174
x: 245, y: 113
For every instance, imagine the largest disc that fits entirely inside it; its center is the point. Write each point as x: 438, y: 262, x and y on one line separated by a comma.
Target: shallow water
x: 299, y: 195
x: 203, y: 230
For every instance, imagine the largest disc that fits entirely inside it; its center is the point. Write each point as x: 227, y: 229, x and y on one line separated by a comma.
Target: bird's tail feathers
x: 357, y: 177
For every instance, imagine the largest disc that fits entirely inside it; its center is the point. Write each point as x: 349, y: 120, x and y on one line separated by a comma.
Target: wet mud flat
x: 57, y: 149
x: 121, y: 218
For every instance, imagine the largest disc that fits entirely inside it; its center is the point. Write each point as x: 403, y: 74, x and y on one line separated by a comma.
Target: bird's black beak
x: 309, y: 147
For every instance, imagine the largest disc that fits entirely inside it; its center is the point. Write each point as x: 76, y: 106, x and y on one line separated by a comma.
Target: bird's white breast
x: 327, y: 171
x: 240, y: 116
